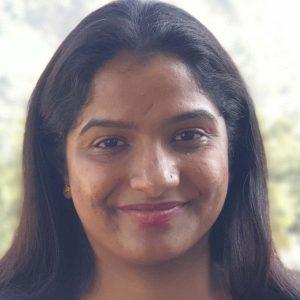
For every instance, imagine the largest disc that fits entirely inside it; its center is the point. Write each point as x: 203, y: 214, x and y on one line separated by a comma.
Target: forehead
x: 137, y: 75
x: 137, y: 87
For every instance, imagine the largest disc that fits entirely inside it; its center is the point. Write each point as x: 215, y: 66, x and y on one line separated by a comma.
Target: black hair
x: 50, y: 257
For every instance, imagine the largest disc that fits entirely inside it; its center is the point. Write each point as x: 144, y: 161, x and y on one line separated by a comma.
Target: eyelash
x: 116, y: 148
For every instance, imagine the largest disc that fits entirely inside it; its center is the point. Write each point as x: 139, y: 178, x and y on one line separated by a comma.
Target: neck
x: 191, y: 276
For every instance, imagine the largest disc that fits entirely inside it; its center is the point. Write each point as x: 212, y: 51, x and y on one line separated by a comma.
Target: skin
x: 152, y: 163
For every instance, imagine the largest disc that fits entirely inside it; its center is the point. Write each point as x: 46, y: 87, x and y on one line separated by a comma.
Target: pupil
x: 111, y: 142
x: 187, y: 135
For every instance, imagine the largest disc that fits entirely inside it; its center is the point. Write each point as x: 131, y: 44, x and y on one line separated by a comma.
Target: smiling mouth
x: 152, y: 207
x: 153, y: 214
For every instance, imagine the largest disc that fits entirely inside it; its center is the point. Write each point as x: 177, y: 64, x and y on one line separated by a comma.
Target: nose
x: 154, y: 172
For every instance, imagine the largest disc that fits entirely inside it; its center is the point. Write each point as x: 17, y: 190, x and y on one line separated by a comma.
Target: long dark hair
x: 50, y: 257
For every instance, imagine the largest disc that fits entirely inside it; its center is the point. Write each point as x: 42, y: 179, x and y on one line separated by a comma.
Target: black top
x: 12, y: 297
x: 7, y: 297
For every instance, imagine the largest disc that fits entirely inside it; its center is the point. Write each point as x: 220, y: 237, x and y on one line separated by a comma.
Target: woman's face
x: 147, y: 136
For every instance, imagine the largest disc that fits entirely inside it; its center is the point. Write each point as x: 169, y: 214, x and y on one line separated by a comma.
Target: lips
x: 152, y: 214
x: 152, y: 207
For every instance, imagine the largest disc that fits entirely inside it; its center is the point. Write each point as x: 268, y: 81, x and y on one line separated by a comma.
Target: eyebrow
x: 195, y: 114
x: 106, y: 124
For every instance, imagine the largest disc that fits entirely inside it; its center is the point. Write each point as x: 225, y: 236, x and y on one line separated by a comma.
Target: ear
x: 67, y: 189
x: 67, y: 192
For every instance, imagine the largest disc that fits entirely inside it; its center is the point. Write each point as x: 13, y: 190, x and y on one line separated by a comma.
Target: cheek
x: 208, y: 173
x: 91, y: 183
x: 215, y: 179
x: 91, y: 188
x: 209, y: 177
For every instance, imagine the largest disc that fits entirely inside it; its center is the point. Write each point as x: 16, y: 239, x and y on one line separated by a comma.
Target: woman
x: 144, y: 169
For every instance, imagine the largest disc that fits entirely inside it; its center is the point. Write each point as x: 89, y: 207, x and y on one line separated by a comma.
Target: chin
x: 152, y: 260
x: 152, y: 256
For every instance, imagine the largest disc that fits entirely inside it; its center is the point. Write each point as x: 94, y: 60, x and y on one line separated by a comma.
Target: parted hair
x: 50, y: 257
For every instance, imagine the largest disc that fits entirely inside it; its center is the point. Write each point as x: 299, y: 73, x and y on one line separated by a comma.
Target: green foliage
x: 9, y: 202
x: 10, y: 179
x: 282, y: 142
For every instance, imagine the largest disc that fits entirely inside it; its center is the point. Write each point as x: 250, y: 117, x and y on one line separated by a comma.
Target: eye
x: 109, y: 144
x: 191, y: 136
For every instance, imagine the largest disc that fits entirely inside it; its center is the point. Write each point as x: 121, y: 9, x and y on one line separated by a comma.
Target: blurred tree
x: 282, y: 141
x: 50, y: 19
x: 3, y: 88
x: 10, y: 182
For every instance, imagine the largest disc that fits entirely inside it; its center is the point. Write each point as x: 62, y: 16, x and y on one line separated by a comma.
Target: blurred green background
x: 260, y: 35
